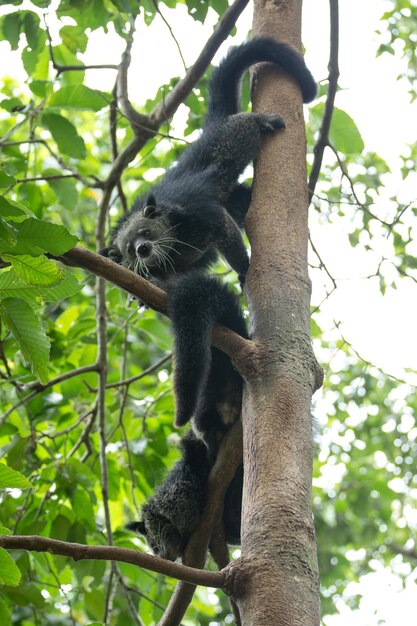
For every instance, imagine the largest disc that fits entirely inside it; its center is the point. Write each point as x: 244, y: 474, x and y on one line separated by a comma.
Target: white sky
x: 382, y: 329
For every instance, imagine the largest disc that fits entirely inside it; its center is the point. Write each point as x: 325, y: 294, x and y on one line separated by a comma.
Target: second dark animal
x: 174, y: 511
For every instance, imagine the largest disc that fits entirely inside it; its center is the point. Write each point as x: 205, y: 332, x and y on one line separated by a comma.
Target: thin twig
x: 323, y: 139
x: 158, y: 10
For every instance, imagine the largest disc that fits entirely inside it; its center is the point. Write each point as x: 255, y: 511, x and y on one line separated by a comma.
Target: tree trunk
x: 275, y: 582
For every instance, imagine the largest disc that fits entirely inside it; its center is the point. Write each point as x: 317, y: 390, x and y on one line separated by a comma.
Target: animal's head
x: 161, y: 536
x: 144, y: 241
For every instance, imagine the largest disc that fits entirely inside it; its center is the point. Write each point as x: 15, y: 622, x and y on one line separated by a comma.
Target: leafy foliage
x: 56, y: 151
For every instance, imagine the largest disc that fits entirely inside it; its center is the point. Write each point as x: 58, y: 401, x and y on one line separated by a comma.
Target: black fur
x: 174, y: 511
x: 198, y: 207
x: 207, y: 386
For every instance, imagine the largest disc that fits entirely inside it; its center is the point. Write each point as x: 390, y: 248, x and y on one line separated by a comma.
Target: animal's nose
x: 143, y: 249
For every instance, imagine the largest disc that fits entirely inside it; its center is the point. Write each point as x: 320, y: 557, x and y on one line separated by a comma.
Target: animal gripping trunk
x: 194, y: 307
x: 275, y: 581
x: 224, y: 85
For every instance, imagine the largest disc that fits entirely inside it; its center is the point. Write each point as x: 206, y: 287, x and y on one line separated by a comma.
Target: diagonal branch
x: 323, y: 139
x: 223, y: 338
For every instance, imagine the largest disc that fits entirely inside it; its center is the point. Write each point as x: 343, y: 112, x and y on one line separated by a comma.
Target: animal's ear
x: 150, y: 208
x: 137, y: 527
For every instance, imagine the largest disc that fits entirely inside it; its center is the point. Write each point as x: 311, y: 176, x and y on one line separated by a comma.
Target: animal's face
x: 161, y: 536
x: 144, y: 242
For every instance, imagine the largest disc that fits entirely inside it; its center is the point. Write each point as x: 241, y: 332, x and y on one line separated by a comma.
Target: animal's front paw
x: 242, y: 279
x: 271, y: 123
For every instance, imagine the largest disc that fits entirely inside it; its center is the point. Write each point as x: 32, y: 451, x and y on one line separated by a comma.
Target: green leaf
x: 35, y: 270
x: 40, y: 88
x: 36, y: 62
x: 31, y: 24
x: 12, y: 287
x: 5, y: 179
x: 344, y: 134
x: 11, y: 29
x: 9, y: 572
x: 34, y: 237
x: 13, y: 210
x: 29, y: 334
x: 65, y: 134
x: 74, y: 38
x: 7, y: 232
x: 5, y: 614
x: 10, y: 479
x: 78, y: 97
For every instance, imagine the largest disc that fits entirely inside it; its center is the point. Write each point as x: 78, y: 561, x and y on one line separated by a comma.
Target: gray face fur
x: 145, y: 244
x: 161, y: 536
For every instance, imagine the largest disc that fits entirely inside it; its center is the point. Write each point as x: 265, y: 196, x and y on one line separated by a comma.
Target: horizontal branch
x: 223, y: 338
x: 78, y: 552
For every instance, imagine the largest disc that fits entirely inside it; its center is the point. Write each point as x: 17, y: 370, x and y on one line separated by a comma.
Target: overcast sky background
x: 381, y: 329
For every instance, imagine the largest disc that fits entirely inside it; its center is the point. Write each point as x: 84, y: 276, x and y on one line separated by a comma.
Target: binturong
x: 172, y: 514
x: 198, y: 208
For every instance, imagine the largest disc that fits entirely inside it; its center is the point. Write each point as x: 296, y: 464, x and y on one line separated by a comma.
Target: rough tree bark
x: 275, y: 582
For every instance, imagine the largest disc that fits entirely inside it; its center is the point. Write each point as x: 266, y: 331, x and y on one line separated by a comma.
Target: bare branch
x: 136, y: 119
x: 78, y: 552
x: 79, y: 371
x: 323, y: 139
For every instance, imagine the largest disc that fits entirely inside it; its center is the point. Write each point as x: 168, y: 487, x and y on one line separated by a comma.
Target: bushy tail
x: 224, y: 84
x: 195, y: 303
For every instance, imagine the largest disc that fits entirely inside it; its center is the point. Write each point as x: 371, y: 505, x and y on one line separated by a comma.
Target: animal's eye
x: 146, y: 233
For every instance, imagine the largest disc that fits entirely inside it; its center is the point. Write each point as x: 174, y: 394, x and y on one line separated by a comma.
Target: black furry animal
x: 206, y: 384
x: 198, y: 207
x: 173, y: 512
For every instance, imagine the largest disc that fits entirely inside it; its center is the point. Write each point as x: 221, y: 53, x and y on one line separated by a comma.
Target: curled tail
x: 195, y: 303
x: 225, y: 81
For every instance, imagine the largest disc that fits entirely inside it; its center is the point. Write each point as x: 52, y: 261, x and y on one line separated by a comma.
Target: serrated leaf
x: 13, y: 210
x: 12, y: 287
x: 9, y: 572
x: 26, y: 328
x: 10, y: 479
x: 65, y: 134
x: 78, y: 97
x: 35, y: 270
x: 34, y: 237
